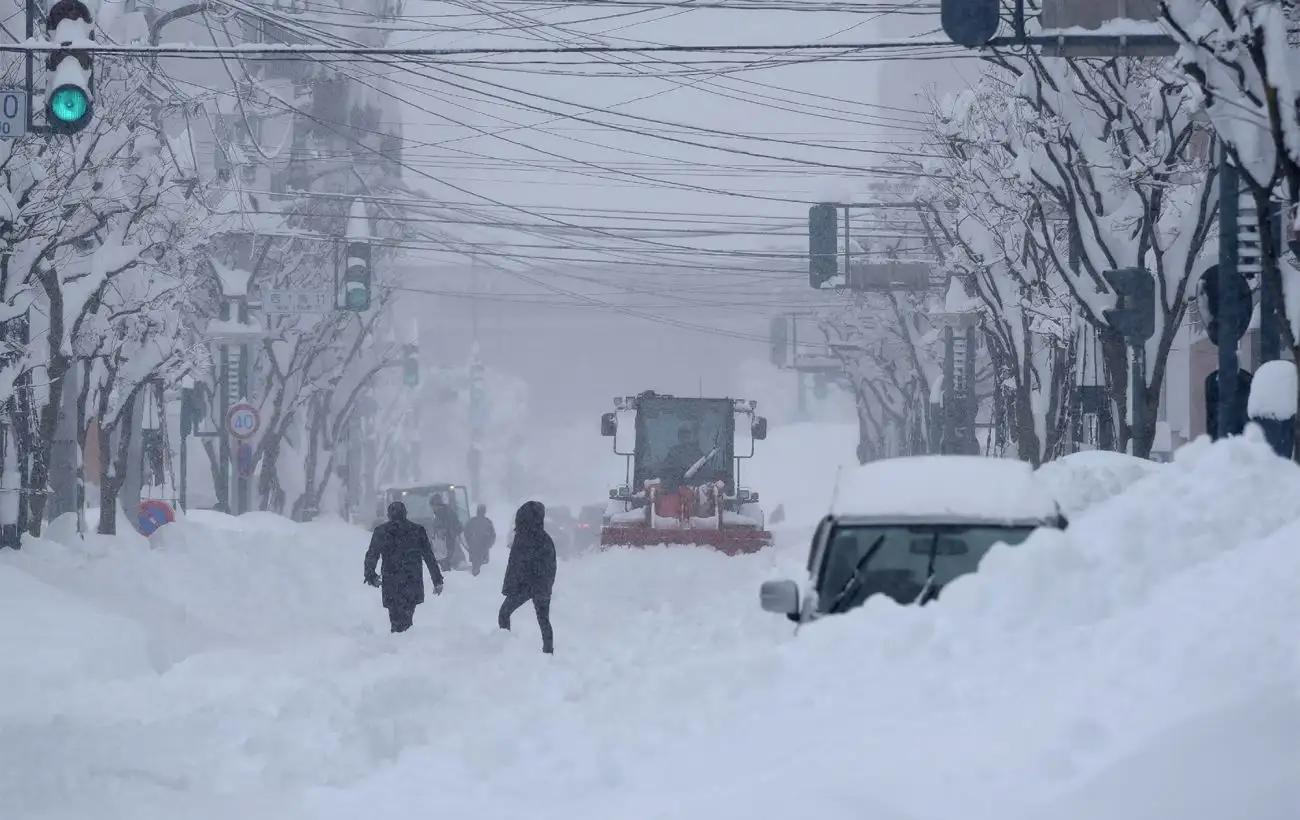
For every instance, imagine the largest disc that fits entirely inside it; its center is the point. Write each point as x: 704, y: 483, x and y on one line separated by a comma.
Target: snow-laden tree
x: 1115, y: 146
x: 985, y: 212
x: 891, y: 357
x: 311, y: 372
x: 143, y: 333
x: 1244, y: 58
x: 87, y: 224
x: 328, y: 139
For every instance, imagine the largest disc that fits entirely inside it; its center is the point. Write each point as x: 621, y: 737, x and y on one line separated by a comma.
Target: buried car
x: 907, y: 527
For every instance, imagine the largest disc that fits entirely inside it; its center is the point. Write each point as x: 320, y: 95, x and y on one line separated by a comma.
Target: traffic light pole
x: 1138, y: 398
x: 1229, y: 192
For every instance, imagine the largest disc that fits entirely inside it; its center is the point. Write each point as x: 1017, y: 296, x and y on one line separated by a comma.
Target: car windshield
x: 903, y: 560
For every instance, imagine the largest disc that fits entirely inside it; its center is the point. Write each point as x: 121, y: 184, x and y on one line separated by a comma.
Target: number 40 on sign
x: 242, y: 420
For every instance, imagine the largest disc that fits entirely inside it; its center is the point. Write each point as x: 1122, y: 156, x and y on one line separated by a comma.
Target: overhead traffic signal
x: 68, y: 101
x: 1134, y: 314
x: 823, y: 244
x: 411, y: 369
x: 192, y: 410
x: 356, y: 278
x: 970, y: 23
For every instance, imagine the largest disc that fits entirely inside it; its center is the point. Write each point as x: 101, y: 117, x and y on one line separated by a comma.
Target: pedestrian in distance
x: 480, y: 536
x: 530, y: 571
x: 447, y: 528
x: 402, y: 545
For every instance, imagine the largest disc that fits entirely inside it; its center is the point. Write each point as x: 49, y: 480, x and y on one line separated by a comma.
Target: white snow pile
x: 1273, y: 391
x: 1139, y: 666
x: 1080, y: 481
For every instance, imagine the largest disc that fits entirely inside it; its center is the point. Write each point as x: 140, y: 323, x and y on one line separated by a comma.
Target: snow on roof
x: 975, y: 487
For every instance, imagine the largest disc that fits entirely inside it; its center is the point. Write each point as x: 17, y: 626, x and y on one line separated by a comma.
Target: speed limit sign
x: 242, y: 420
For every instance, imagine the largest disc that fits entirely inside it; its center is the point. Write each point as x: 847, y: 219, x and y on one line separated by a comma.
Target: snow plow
x: 683, y: 473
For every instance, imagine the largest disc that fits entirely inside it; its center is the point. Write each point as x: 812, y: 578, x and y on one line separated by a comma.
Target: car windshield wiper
x: 855, y: 580
x: 929, y: 572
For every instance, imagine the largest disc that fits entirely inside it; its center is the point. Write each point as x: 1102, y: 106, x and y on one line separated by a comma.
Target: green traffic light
x: 69, y: 104
x: 358, y: 299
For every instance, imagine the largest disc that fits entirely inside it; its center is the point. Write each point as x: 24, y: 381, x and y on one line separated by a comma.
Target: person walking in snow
x: 530, y: 571
x: 480, y: 535
x: 402, y: 545
x: 446, y: 526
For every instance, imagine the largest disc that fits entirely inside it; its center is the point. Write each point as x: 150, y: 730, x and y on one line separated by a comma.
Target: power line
x: 283, y: 51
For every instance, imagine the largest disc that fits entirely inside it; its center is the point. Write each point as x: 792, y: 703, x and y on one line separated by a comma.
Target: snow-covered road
x: 1141, y: 666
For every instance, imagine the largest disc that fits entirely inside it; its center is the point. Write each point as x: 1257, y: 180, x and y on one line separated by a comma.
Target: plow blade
x: 738, y: 541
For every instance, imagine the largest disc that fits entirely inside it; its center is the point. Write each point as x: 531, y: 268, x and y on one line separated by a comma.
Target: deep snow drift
x: 1140, y: 666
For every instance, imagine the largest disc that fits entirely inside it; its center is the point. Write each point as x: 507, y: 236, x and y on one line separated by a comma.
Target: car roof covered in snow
x: 944, y: 488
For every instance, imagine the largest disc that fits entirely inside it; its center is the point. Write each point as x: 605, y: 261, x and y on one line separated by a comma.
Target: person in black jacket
x: 530, y: 571
x: 402, y: 545
x: 480, y: 535
x: 446, y: 527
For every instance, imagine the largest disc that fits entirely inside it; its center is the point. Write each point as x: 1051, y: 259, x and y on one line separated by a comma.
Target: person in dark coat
x: 681, y: 457
x: 480, y: 535
x: 446, y: 527
x: 403, y: 545
x: 530, y: 571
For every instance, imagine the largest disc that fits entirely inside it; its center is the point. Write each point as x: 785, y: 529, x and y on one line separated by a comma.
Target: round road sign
x: 243, y: 420
x: 153, y: 514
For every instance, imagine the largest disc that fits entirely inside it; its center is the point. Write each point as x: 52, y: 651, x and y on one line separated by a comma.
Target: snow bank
x: 252, y: 580
x: 1167, y: 603
x: 1082, y: 480
x: 1084, y: 671
x: 49, y: 638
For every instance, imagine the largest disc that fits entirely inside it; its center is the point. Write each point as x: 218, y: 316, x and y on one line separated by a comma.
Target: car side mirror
x: 781, y: 597
x: 758, y: 428
x: 608, y: 425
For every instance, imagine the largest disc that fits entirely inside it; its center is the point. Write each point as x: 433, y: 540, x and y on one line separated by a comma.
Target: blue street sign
x: 244, y: 460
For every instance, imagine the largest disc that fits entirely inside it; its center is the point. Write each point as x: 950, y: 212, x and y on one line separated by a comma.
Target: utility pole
x: 233, y: 331
x: 65, y: 453
x: 477, y: 399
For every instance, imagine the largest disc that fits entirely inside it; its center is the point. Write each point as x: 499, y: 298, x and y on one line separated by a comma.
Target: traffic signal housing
x: 356, y: 278
x: 970, y: 23
x: 823, y: 244
x: 411, y: 369
x: 69, y: 102
x: 192, y: 410
x: 1134, y: 314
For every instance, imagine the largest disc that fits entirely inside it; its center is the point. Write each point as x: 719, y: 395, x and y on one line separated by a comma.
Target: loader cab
x: 906, y: 528
x: 678, y: 439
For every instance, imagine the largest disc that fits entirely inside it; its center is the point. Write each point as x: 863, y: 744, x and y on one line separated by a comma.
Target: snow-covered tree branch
x: 1116, y: 151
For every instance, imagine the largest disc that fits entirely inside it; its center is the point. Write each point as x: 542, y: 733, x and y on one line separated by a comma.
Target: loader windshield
x: 685, y: 441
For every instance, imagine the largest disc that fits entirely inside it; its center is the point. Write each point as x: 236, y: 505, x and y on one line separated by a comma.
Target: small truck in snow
x: 906, y: 527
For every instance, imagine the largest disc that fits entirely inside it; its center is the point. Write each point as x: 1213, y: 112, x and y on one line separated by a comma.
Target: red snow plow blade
x: 737, y: 541
x: 679, y: 522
